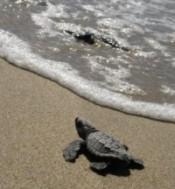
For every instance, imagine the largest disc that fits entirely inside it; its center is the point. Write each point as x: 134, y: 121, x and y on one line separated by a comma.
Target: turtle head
x: 83, y: 127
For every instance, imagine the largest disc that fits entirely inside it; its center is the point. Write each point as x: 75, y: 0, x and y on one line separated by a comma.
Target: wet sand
x: 37, y: 122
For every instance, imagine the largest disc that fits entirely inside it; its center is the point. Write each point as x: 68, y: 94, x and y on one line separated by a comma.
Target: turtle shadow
x: 114, y: 170
x: 117, y: 168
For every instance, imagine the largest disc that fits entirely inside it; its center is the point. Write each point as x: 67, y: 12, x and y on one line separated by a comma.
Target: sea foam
x: 19, y: 52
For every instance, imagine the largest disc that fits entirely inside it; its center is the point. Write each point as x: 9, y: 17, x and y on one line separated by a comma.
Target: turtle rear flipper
x: 71, y: 152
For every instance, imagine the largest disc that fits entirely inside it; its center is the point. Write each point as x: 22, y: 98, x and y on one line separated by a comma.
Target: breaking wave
x: 129, y: 66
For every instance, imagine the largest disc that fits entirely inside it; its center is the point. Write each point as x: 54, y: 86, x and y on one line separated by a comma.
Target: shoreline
x: 64, y: 75
x: 36, y: 119
x: 86, y: 99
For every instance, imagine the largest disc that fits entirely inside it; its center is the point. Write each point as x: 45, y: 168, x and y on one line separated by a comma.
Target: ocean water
x: 141, y: 81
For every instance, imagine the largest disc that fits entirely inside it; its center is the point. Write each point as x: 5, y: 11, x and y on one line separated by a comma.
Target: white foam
x: 94, y: 9
x: 27, y: 3
x: 23, y: 1
x: 19, y: 53
x: 155, y: 44
x: 167, y: 90
x: 114, y: 78
x: 56, y: 11
x: 48, y: 26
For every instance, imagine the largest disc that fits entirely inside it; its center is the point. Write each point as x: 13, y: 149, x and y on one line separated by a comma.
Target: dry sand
x: 37, y: 122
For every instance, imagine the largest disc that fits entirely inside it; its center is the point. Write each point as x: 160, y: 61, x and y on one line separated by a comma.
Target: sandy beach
x: 37, y: 122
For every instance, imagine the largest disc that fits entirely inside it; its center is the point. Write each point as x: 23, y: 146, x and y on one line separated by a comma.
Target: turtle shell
x: 105, y: 146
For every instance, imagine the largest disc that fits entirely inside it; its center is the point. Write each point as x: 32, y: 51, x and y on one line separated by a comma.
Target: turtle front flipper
x: 71, y: 152
x: 99, y: 166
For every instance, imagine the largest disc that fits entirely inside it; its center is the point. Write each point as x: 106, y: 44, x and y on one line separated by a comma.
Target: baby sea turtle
x: 84, y: 36
x: 105, y: 149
